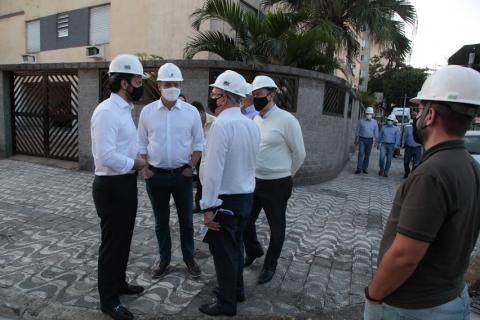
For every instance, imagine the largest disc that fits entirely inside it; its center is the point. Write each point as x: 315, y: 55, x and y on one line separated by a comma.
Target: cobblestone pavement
x: 49, y: 238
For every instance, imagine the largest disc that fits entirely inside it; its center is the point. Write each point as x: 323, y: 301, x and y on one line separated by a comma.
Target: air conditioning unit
x: 28, y: 58
x: 95, y: 52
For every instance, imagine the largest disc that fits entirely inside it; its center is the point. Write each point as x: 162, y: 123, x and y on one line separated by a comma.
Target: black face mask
x: 418, y: 127
x: 136, y: 93
x: 212, y: 104
x: 260, y: 103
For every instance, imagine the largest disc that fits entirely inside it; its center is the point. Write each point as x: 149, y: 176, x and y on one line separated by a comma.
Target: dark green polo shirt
x: 439, y: 203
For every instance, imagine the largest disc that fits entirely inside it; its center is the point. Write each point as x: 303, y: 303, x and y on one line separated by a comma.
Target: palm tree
x: 379, y: 17
x: 275, y: 37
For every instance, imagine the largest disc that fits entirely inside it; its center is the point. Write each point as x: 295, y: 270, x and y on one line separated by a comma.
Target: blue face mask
x: 390, y: 122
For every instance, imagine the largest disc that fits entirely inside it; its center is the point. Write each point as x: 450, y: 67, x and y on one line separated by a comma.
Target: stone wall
x: 328, y: 138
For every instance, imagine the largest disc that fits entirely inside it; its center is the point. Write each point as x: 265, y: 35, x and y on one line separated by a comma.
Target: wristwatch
x: 367, y: 295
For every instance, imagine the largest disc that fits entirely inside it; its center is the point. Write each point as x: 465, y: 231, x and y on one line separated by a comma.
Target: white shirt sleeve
x: 142, y: 134
x: 197, y: 133
x: 295, y: 143
x: 212, y: 166
x: 105, y: 133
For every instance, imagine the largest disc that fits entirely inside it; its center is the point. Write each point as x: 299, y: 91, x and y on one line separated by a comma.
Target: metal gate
x: 45, y: 112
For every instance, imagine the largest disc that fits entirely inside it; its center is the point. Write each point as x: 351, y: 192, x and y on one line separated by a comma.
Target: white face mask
x: 171, y: 94
x: 368, y: 116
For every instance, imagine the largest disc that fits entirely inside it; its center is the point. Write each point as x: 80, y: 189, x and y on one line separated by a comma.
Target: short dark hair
x: 198, y: 105
x: 115, y: 81
x: 183, y: 96
x: 454, y: 123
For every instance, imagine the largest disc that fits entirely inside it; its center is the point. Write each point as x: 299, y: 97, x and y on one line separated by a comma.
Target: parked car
x: 472, y: 143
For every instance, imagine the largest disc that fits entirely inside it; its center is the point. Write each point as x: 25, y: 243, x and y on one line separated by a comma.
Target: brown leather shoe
x: 265, y: 276
x: 161, y: 269
x: 193, y: 268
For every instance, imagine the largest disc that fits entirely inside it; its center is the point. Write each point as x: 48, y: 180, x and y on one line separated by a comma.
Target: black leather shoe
x: 118, y: 313
x: 249, y: 260
x: 385, y: 175
x: 240, y: 298
x: 365, y: 171
x: 357, y: 171
x: 380, y: 173
x: 131, y: 289
x: 265, y: 276
x: 161, y: 269
x: 214, y: 309
x: 193, y: 268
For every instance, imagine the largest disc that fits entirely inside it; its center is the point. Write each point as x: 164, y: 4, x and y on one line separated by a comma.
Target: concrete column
x: 88, y: 95
x: 195, y: 85
x: 6, y: 117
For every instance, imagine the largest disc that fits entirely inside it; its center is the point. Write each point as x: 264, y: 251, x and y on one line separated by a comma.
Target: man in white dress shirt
x: 114, y: 148
x: 170, y: 139
x: 228, y: 178
x: 282, y: 152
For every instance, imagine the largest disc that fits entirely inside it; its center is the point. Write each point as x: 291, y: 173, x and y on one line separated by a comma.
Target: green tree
x: 274, y: 37
x: 403, y: 81
x: 379, y: 70
x: 384, y: 19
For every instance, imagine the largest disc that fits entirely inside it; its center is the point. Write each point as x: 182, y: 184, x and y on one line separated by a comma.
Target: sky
x: 443, y: 27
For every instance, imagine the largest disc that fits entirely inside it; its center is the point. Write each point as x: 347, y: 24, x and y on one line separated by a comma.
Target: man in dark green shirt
x: 435, y: 218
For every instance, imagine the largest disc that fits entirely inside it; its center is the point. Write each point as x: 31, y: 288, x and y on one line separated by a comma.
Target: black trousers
x: 115, y: 199
x: 271, y: 196
x: 226, y: 246
x: 198, y: 193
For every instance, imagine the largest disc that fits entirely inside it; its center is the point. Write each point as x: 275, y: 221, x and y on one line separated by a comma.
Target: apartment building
x: 49, y: 31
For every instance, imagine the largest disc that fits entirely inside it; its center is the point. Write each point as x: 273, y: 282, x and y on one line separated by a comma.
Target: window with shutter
x: 33, y: 36
x: 62, y: 25
x: 100, y: 25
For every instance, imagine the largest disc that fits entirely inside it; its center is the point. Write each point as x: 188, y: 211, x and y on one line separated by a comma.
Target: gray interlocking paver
x: 49, y: 238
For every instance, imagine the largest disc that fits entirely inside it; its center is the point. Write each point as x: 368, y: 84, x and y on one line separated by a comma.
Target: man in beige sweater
x: 282, y: 152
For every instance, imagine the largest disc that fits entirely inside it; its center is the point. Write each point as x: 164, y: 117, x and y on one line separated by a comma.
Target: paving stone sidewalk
x: 49, y: 238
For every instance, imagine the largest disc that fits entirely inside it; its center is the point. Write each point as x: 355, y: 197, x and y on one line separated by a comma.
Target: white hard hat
x: 263, y: 82
x: 454, y: 84
x: 169, y: 72
x: 392, y: 117
x: 231, y: 81
x: 248, y: 89
x: 126, y: 63
x: 369, y: 110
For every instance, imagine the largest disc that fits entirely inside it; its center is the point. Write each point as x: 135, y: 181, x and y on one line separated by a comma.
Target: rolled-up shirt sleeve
x: 105, y: 133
